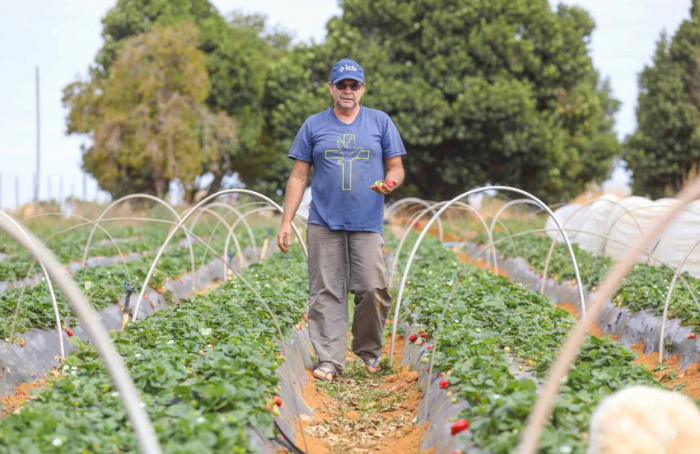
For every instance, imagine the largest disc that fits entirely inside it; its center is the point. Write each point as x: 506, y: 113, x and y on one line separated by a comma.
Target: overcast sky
x: 63, y: 36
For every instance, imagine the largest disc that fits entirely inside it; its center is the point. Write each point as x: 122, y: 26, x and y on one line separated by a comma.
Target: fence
x: 16, y: 191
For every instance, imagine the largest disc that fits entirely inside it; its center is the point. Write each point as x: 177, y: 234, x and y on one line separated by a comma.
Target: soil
x: 364, y: 414
x: 669, y: 374
x: 12, y: 403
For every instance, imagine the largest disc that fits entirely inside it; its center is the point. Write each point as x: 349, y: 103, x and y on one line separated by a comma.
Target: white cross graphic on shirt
x: 344, y: 156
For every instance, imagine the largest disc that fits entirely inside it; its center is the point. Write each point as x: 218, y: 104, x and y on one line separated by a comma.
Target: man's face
x: 344, y: 97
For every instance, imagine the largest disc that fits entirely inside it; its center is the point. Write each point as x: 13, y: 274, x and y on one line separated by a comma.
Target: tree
x: 665, y: 148
x: 147, y: 117
x: 499, y: 92
x: 483, y: 92
x: 237, y: 52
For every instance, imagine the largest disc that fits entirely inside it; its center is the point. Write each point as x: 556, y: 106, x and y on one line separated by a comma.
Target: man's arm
x: 394, y: 171
x: 292, y: 198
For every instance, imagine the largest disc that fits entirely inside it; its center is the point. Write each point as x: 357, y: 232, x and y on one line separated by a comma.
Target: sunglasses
x: 353, y: 86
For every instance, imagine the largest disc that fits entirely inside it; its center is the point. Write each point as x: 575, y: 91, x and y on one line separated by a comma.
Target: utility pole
x: 60, y: 193
x: 38, y: 140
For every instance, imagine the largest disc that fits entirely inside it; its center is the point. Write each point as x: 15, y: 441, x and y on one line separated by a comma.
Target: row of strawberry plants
x: 103, y: 285
x: 205, y: 370
x: 71, y: 246
x: 490, y: 322
x: 534, y: 248
x: 645, y: 287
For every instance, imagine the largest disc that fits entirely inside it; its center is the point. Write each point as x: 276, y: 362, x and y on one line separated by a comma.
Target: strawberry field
x: 220, y: 357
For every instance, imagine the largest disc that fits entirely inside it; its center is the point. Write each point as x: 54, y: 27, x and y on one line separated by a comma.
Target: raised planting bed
x: 103, y: 285
x: 69, y: 248
x: 208, y: 371
x: 34, y: 349
x: 493, y: 350
x: 635, y: 311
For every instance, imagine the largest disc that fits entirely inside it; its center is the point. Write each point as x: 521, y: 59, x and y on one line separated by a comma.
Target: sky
x: 62, y: 37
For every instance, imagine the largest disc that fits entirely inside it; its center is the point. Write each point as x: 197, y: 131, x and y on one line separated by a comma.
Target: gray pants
x: 340, y: 262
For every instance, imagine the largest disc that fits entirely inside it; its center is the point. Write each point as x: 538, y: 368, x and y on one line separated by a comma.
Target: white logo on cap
x: 347, y: 68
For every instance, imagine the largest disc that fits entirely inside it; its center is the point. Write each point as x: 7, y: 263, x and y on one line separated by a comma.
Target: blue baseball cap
x: 347, y: 69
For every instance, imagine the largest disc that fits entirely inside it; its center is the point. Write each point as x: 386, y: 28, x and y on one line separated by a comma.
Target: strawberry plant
x: 102, y: 285
x: 645, y: 287
x: 492, y: 324
x: 205, y: 369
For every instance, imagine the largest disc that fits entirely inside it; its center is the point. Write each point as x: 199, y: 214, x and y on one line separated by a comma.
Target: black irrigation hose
x: 286, y: 442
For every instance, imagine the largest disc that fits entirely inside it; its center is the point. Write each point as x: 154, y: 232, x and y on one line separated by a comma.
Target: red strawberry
x: 551, y: 276
x: 458, y: 426
x: 444, y: 383
x: 390, y: 183
x: 69, y: 332
x: 278, y: 401
x: 412, y: 337
x: 424, y: 335
x: 442, y: 374
x: 691, y: 336
x: 429, y: 347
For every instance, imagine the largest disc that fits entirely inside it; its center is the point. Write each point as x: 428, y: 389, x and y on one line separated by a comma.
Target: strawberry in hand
x: 383, y: 186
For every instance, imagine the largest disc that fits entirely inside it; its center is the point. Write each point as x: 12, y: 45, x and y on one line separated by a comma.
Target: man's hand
x: 284, y: 237
x: 384, y: 187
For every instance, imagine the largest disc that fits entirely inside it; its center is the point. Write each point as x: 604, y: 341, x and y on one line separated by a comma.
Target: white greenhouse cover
x: 609, y: 225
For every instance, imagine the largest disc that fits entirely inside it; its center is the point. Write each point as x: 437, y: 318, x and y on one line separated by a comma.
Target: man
x: 349, y: 146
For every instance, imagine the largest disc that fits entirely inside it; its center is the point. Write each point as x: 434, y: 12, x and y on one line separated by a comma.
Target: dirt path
x: 22, y: 394
x: 362, y: 413
x: 669, y: 373
x: 10, y: 404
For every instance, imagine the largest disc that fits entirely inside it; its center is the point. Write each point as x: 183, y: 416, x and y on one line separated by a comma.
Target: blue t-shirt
x: 347, y: 160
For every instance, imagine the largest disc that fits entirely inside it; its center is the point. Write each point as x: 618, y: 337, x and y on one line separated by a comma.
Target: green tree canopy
x: 665, y: 148
x: 498, y: 91
x: 148, y: 119
x: 237, y: 52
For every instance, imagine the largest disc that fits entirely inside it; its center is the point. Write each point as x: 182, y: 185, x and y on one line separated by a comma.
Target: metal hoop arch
x: 586, y: 232
x: 554, y: 240
x: 418, y: 215
x: 242, y: 263
x: 671, y: 287
x: 566, y: 356
x: 128, y: 393
x: 231, y: 209
x: 189, y: 213
x: 275, y: 320
x: 389, y: 211
x: 26, y: 236
x: 442, y: 210
x: 503, y: 208
x: 148, y: 197
x: 235, y: 224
